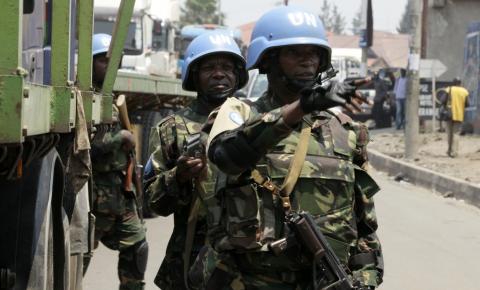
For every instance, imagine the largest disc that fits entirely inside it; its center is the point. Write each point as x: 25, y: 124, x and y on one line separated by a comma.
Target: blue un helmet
x: 283, y: 26
x: 207, y: 44
x: 100, y: 43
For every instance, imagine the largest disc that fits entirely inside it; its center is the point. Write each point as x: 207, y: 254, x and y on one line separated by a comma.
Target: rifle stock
x: 332, y: 274
x: 133, y: 176
x: 121, y: 104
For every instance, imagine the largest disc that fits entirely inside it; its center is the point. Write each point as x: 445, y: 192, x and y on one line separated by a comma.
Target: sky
x: 386, y: 13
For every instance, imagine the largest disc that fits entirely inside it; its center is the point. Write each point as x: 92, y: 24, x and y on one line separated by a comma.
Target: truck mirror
x: 28, y: 6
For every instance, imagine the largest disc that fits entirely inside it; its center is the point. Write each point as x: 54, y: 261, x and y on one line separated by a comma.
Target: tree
x: 201, y: 12
x: 357, y: 22
x: 325, y: 15
x: 338, y: 21
x: 332, y: 19
x: 404, y: 25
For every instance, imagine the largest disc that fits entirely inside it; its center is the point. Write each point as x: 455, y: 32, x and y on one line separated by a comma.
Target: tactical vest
x: 248, y: 216
x: 172, y: 132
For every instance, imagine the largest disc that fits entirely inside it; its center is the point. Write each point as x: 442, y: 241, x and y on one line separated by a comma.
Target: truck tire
x: 36, y: 247
x: 148, y: 120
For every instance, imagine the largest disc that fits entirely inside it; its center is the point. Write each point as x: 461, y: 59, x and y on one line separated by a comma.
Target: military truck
x: 149, y: 47
x: 48, y: 114
x: 148, y: 72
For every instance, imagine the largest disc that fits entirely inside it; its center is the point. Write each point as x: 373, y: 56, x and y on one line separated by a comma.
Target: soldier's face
x: 100, y: 63
x: 300, y: 61
x: 216, y: 74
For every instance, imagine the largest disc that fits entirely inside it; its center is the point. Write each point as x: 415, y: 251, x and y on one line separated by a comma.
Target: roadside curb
x: 429, y: 179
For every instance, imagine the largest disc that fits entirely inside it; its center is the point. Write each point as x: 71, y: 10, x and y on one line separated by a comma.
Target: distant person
x: 381, y: 117
x: 118, y: 225
x: 453, y: 105
x: 400, y: 91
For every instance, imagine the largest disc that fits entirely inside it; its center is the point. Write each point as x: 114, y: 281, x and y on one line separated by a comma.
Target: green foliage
x: 338, y: 21
x: 405, y: 25
x: 201, y: 12
x: 357, y: 22
x: 332, y: 19
x: 325, y: 15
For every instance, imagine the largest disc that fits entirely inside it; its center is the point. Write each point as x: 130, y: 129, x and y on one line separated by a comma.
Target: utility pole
x: 366, y: 39
x: 413, y: 86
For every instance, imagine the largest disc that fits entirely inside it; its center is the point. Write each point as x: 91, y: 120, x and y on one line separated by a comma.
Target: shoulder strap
x: 189, y: 236
x: 295, y: 167
x: 293, y: 172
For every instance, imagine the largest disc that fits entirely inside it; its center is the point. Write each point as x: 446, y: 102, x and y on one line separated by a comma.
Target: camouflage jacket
x: 168, y: 196
x: 109, y: 161
x: 332, y: 186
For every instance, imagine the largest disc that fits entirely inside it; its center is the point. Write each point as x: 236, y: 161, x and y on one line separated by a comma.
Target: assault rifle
x: 133, y: 174
x: 328, y: 272
x: 192, y: 146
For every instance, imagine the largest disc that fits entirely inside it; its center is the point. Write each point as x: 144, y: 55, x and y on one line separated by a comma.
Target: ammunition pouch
x: 209, y: 271
x: 364, y: 183
x: 241, y: 218
x: 359, y: 260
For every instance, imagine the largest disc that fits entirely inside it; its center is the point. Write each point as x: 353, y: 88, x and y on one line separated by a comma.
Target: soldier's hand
x: 334, y: 94
x: 189, y: 168
x: 128, y: 140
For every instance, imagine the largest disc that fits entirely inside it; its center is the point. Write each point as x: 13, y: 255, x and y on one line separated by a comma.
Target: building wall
x: 447, y: 25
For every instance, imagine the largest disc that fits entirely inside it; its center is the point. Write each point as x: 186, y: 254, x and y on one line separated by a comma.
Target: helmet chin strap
x: 292, y: 84
x: 295, y: 85
x: 216, y: 98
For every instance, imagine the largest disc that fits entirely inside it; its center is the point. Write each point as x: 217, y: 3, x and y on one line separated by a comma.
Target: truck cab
x: 189, y: 32
x: 149, y: 48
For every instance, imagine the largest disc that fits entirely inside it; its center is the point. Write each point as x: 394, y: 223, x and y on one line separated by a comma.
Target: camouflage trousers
x: 213, y: 270
x: 119, y: 228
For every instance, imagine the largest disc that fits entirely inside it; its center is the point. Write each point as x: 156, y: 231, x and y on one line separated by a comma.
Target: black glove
x: 325, y: 97
x: 365, y: 288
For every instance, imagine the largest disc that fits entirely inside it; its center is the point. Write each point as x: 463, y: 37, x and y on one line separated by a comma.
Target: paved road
x: 430, y: 243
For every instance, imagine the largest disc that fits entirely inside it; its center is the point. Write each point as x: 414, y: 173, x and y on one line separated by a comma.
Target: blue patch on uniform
x: 236, y: 118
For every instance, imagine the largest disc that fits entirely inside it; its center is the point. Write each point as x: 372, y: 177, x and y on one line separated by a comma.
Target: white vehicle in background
x: 149, y: 48
x: 347, y: 61
x: 147, y: 76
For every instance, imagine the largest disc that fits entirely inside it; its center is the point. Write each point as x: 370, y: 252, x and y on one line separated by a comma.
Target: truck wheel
x: 37, y: 226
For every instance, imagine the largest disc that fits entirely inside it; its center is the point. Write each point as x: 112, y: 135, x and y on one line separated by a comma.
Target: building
x: 388, y: 50
x: 452, y: 35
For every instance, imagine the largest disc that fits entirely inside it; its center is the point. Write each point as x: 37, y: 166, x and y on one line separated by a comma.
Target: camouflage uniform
x: 168, y: 196
x: 333, y: 187
x: 117, y: 224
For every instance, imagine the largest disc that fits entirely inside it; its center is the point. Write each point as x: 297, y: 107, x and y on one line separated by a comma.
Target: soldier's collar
x: 199, y: 107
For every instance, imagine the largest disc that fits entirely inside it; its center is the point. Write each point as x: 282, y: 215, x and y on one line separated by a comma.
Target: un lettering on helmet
x: 220, y: 39
x: 303, y: 18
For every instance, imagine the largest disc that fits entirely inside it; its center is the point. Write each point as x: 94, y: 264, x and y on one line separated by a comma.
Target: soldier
x: 215, y: 69
x: 256, y: 148
x: 118, y: 224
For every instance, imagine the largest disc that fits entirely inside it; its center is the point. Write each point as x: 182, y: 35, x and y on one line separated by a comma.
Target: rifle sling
x: 293, y: 172
x: 190, y: 234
